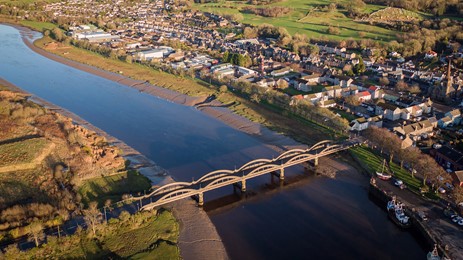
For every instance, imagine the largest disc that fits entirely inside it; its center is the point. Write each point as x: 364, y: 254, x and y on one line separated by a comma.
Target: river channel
x: 316, y: 218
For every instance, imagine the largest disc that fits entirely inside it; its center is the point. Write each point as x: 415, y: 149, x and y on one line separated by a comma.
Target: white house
x: 302, y: 85
x: 281, y: 72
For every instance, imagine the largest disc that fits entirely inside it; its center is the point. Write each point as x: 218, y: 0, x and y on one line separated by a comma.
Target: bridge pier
x: 200, y: 199
x: 282, y: 174
x: 243, y: 185
x: 315, y: 161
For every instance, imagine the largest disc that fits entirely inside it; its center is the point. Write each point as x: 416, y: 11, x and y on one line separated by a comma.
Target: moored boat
x: 382, y: 174
x: 397, y: 213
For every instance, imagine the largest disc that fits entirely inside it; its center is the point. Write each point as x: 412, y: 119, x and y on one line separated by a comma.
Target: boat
x: 397, y: 213
x: 433, y: 255
x: 382, y: 174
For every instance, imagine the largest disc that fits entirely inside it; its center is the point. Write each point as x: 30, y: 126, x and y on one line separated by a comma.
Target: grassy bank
x: 371, y: 162
x: 113, y: 187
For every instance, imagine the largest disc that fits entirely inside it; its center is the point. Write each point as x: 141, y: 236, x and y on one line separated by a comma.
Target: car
x: 449, y: 170
x: 448, y: 212
x: 422, y: 216
x: 457, y: 219
x: 398, y: 182
x: 449, y: 186
x: 441, y: 190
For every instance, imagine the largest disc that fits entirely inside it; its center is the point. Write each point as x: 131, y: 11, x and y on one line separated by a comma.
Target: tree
x: 92, y: 216
x: 35, y: 232
x: 360, y: 67
x: 401, y: 86
x: 282, y: 84
x: 249, y: 32
x: 57, y: 34
x: 384, y: 81
x: 223, y: 88
x: 415, y: 89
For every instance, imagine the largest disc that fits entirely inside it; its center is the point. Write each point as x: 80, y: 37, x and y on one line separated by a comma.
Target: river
x: 317, y: 217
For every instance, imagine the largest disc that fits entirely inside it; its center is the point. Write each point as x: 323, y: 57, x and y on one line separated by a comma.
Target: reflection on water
x: 318, y: 218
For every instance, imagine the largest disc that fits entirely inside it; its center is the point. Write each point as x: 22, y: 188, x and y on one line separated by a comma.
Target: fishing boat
x: 397, y: 213
x: 383, y: 175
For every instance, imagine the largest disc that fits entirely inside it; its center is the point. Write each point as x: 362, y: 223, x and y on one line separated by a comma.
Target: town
x: 395, y: 103
x: 393, y: 92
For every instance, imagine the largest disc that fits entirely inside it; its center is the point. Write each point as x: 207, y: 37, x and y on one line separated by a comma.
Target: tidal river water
x: 317, y: 218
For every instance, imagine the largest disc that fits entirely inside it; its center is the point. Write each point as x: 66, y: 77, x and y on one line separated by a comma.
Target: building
x: 281, y: 72
x: 388, y: 111
x: 363, y: 96
x: 448, y: 157
x: 423, y: 128
x: 302, y: 85
x: 157, y: 53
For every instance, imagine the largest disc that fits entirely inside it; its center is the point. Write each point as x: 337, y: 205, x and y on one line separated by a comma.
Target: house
x: 327, y: 103
x: 302, y: 85
x: 448, y: 157
x: 312, y: 79
x: 375, y: 121
x: 415, y: 130
x: 430, y: 55
x: 388, y: 111
x: 363, y: 96
x: 281, y: 72
x: 459, y: 178
x: 333, y: 92
x: 267, y: 82
x: 345, y: 83
x: 375, y: 92
x: 359, y: 124
x: 455, y: 116
x: 406, y: 142
x: 444, y: 122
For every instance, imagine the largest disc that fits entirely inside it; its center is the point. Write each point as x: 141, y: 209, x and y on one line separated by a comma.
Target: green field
x: 39, y: 26
x: 371, y: 162
x: 21, y: 152
x: 308, y: 18
x: 113, y: 187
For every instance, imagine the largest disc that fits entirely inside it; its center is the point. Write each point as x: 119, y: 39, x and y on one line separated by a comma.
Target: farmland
x: 310, y: 18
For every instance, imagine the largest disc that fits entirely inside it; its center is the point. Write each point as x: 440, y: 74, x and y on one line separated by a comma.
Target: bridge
x: 220, y: 178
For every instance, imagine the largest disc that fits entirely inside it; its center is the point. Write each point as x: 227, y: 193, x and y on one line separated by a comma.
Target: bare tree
x: 35, y: 232
x: 92, y: 216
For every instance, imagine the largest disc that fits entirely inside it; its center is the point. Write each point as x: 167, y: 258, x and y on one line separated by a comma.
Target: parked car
x: 441, y: 190
x: 449, y: 186
x: 422, y: 216
x: 449, y: 212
